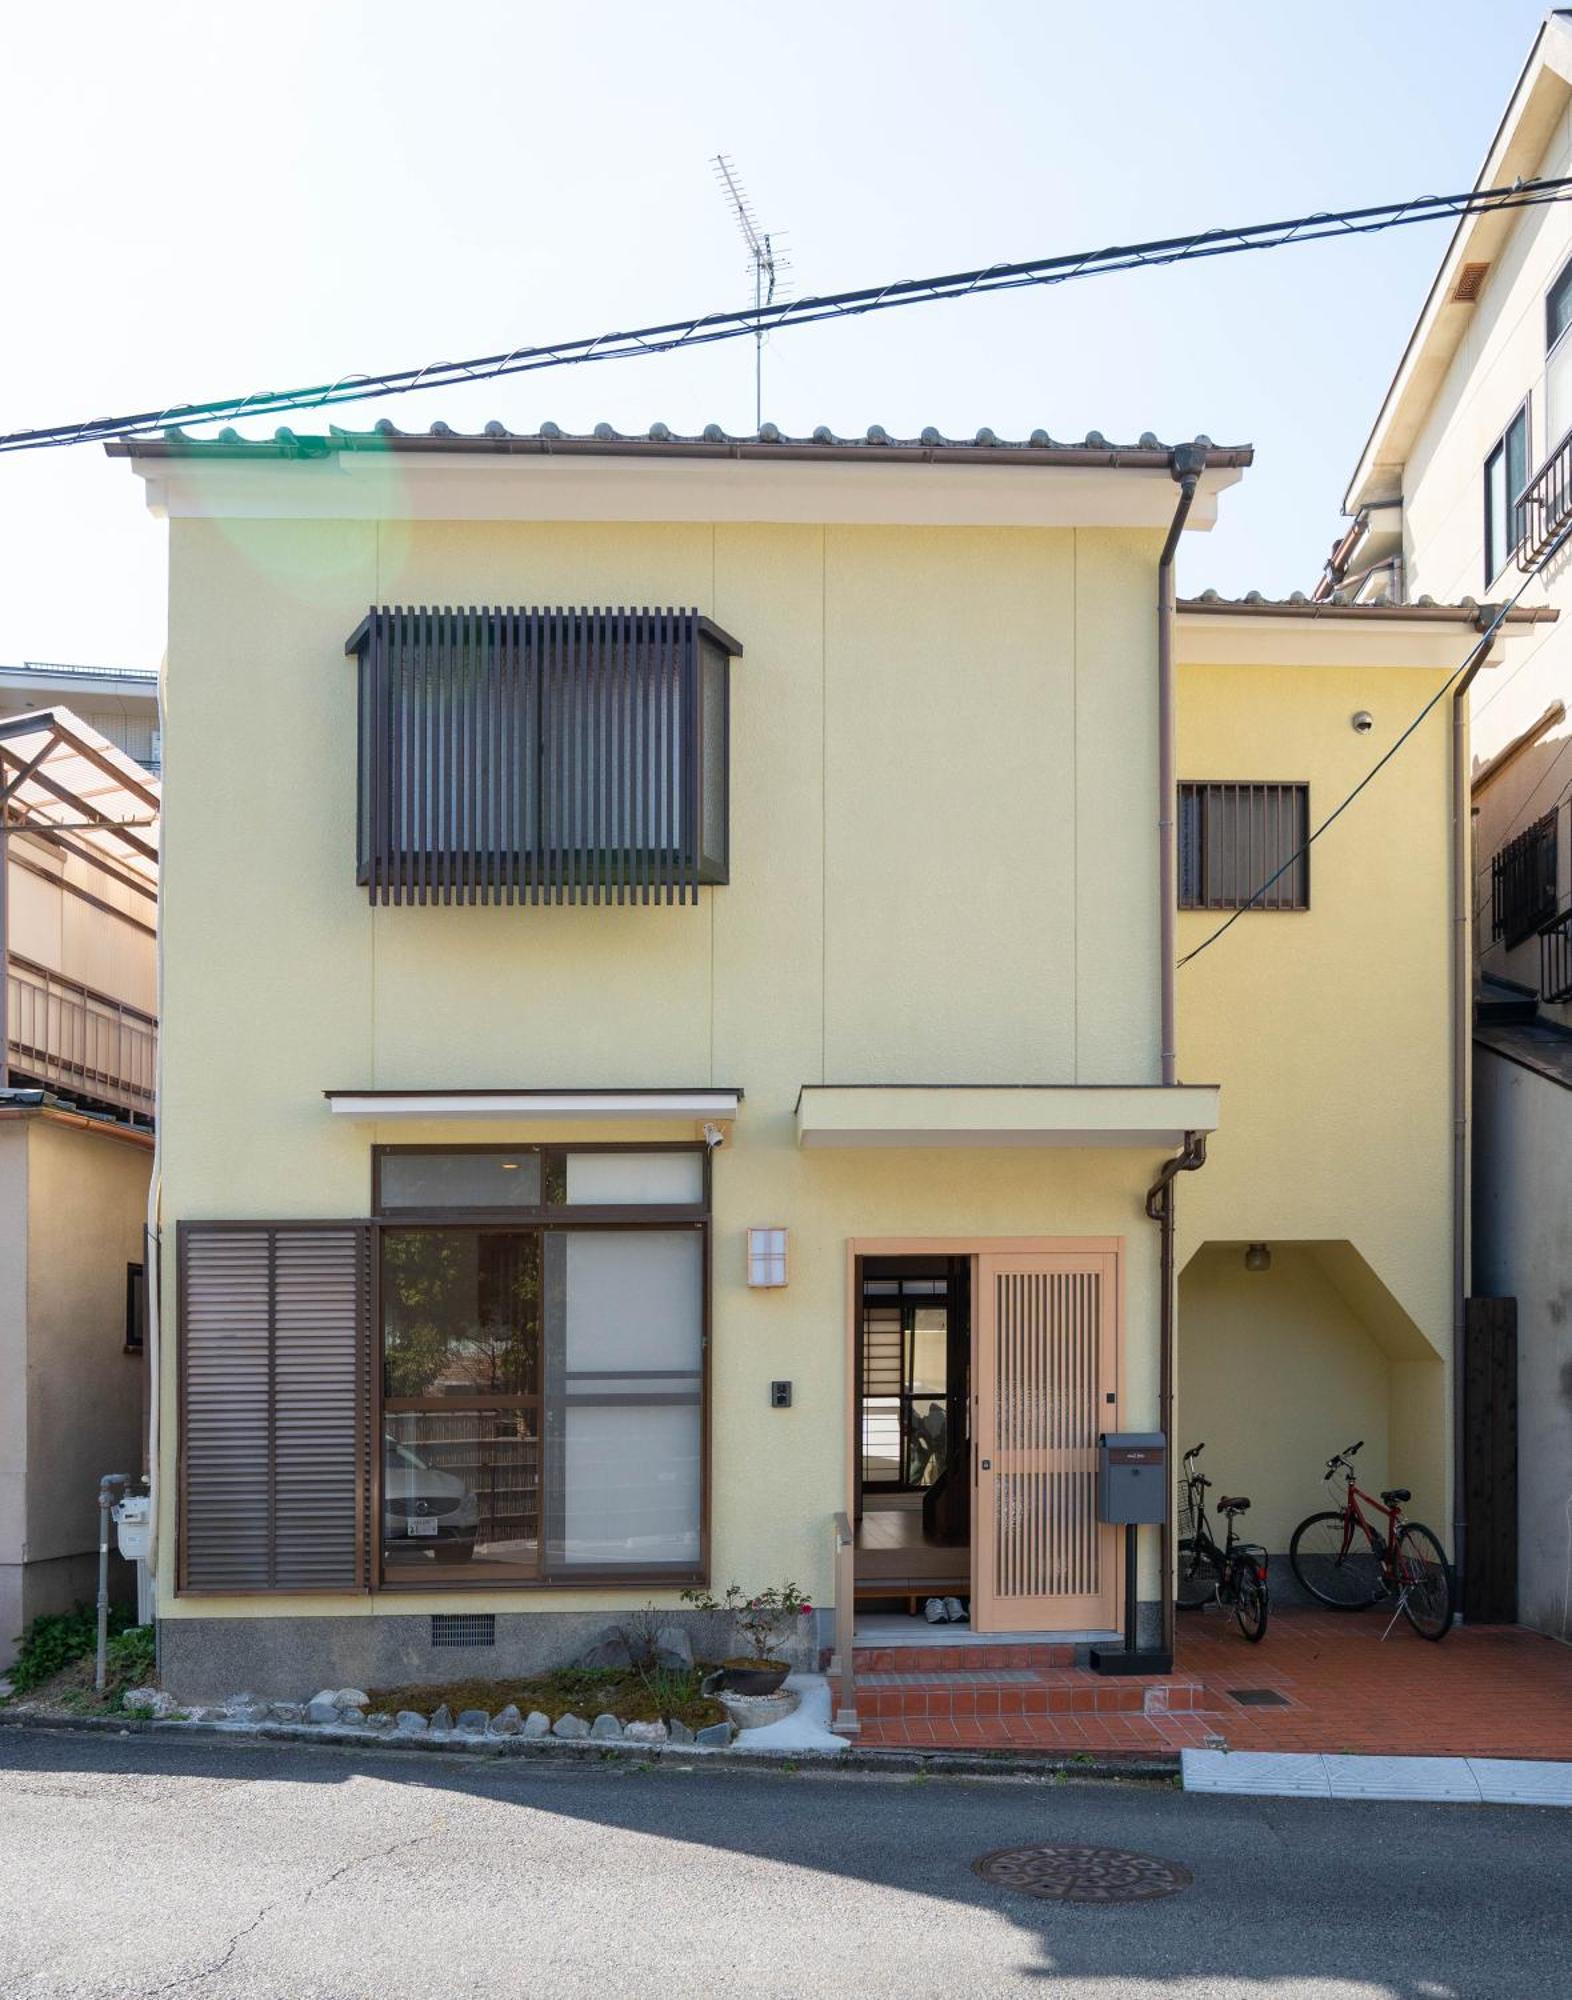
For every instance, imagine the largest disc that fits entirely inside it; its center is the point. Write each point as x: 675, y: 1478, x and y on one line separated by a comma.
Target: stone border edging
x: 1155, y: 1768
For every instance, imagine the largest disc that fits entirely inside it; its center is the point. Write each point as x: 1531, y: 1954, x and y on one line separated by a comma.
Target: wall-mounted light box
x: 766, y: 1257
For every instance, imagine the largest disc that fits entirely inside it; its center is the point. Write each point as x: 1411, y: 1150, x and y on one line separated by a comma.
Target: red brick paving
x: 1483, y: 1691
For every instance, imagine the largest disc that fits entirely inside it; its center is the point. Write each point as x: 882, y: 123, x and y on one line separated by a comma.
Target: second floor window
x: 1243, y: 846
x: 1506, y: 474
x: 542, y: 756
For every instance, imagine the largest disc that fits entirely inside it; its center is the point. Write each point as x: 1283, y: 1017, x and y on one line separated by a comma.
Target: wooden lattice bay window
x: 1244, y: 845
x: 544, y: 755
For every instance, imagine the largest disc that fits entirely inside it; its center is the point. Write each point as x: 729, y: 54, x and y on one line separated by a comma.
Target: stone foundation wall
x: 289, y: 1659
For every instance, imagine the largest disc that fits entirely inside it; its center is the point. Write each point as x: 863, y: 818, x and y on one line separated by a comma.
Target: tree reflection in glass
x: 460, y: 1312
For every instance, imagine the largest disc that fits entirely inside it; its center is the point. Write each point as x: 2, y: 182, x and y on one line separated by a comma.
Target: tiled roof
x: 1147, y: 453
x: 1339, y: 605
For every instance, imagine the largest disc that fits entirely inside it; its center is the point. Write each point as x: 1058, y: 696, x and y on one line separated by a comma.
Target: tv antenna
x: 767, y: 261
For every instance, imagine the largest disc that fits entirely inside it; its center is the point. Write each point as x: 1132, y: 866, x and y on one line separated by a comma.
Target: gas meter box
x: 1132, y: 1478
x: 132, y: 1527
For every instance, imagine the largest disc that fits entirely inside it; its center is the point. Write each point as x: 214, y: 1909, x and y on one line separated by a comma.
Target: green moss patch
x: 658, y: 1696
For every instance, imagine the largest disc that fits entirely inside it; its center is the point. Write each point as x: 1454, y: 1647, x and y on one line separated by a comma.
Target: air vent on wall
x: 469, y: 1628
x: 1470, y: 283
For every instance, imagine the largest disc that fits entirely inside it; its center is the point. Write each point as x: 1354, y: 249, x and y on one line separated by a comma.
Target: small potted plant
x: 769, y: 1617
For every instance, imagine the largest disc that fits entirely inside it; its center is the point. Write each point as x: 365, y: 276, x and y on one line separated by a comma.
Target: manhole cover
x: 1064, y: 1874
x: 1258, y: 1697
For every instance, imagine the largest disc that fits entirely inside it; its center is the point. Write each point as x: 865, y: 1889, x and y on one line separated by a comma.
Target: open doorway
x: 913, y: 1470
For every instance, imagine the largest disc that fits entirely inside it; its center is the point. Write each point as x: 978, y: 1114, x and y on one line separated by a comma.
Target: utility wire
x: 708, y: 328
x: 1475, y: 651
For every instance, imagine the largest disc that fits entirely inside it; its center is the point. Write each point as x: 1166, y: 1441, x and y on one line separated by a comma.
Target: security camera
x: 714, y: 1136
x: 1363, y: 721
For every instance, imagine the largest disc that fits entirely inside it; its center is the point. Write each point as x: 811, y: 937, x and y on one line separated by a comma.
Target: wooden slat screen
x: 1047, y: 1542
x: 275, y: 1406
x: 1233, y: 840
x: 556, y: 756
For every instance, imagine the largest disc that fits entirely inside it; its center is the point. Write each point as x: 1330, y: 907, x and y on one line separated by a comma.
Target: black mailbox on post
x: 1132, y: 1478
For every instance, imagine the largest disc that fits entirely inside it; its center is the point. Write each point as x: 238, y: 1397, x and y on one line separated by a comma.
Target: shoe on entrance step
x: 955, y: 1611
x: 934, y: 1611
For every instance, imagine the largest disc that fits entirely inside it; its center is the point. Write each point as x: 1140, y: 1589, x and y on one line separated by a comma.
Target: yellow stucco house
x: 677, y: 1071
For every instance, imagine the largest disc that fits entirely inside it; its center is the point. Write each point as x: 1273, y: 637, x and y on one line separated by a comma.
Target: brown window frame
x: 546, y: 1215
x: 1281, y: 897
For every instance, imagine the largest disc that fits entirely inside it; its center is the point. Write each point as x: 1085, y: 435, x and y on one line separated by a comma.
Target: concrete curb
x: 1163, y: 1769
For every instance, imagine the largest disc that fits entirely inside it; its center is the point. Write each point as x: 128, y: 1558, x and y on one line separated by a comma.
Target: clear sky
x: 203, y: 200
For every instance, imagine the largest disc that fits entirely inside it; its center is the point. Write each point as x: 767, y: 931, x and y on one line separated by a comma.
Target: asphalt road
x: 144, y: 1865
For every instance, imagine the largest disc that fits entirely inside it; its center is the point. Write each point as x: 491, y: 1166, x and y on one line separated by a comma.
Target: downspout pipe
x: 1187, y: 463
x: 1160, y: 1209
x: 1488, y: 619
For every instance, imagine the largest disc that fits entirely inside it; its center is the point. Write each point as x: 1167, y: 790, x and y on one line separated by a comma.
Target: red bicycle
x: 1344, y: 1563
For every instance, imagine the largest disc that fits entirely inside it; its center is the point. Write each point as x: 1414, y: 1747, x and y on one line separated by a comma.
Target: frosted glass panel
x: 632, y: 1299
x: 624, y: 1315
x: 631, y: 1485
x: 665, y: 1179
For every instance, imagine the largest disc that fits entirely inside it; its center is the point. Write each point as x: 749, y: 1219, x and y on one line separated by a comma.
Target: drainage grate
x: 1258, y: 1698
x: 1064, y: 1874
x: 469, y: 1628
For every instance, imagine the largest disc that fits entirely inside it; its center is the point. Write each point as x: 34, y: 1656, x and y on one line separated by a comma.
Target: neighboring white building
x: 120, y: 703
x: 1464, y: 489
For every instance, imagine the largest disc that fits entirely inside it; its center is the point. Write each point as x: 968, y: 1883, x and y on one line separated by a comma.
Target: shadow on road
x: 1411, y: 1902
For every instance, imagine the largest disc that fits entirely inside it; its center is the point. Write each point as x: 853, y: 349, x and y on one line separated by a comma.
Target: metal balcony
x: 1544, y: 507
x: 70, y: 1038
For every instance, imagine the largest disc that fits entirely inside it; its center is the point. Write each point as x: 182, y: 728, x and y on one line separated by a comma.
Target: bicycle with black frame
x: 1234, y: 1574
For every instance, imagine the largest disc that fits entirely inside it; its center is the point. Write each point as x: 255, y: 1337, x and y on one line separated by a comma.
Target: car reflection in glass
x: 425, y: 1512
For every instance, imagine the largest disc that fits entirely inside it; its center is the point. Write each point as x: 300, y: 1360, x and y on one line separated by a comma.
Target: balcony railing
x: 1523, y: 877
x: 1544, y: 507
x: 1555, y: 959
x: 69, y: 1037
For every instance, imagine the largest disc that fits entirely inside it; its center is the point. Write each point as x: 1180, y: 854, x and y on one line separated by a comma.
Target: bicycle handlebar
x: 1343, y: 1457
x: 1194, y: 1452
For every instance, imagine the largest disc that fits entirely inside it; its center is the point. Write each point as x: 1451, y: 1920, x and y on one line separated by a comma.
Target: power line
x: 1451, y: 681
x: 705, y: 329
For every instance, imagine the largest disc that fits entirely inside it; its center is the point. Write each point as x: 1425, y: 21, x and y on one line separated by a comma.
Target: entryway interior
x: 913, y: 1527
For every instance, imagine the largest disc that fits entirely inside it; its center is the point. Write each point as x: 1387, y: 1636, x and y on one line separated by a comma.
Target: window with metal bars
x: 1244, y: 845
x: 1523, y: 884
x: 562, y: 756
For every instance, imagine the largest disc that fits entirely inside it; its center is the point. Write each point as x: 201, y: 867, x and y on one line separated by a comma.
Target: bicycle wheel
x: 1425, y: 1581
x: 1195, y: 1579
x: 1343, y: 1580
x: 1252, y: 1606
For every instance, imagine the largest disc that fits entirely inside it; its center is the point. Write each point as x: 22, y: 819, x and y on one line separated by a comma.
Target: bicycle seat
x: 1395, y: 1495
x: 1237, y: 1505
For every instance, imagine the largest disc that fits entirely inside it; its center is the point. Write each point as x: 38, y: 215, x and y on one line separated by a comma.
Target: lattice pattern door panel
x: 1046, y: 1359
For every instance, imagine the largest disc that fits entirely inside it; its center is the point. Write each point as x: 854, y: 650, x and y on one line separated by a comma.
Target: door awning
x: 622, y: 1105
x: 992, y: 1115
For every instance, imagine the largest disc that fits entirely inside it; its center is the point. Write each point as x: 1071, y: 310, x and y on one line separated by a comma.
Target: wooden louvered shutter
x: 275, y: 1406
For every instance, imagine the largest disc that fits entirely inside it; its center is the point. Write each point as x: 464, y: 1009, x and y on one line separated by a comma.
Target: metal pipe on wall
x: 1488, y: 618
x: 1160, y: 1208
x: 1187, y: 463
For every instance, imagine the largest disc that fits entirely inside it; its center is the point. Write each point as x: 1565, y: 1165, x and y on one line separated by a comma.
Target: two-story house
x: 682, y: 1071
x: 1464, y: 488
x: 78, y: 1074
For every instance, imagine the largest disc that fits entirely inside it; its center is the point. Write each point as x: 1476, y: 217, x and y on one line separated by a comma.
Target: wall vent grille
x: 469, y: 1628
x: 1470, y: 283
